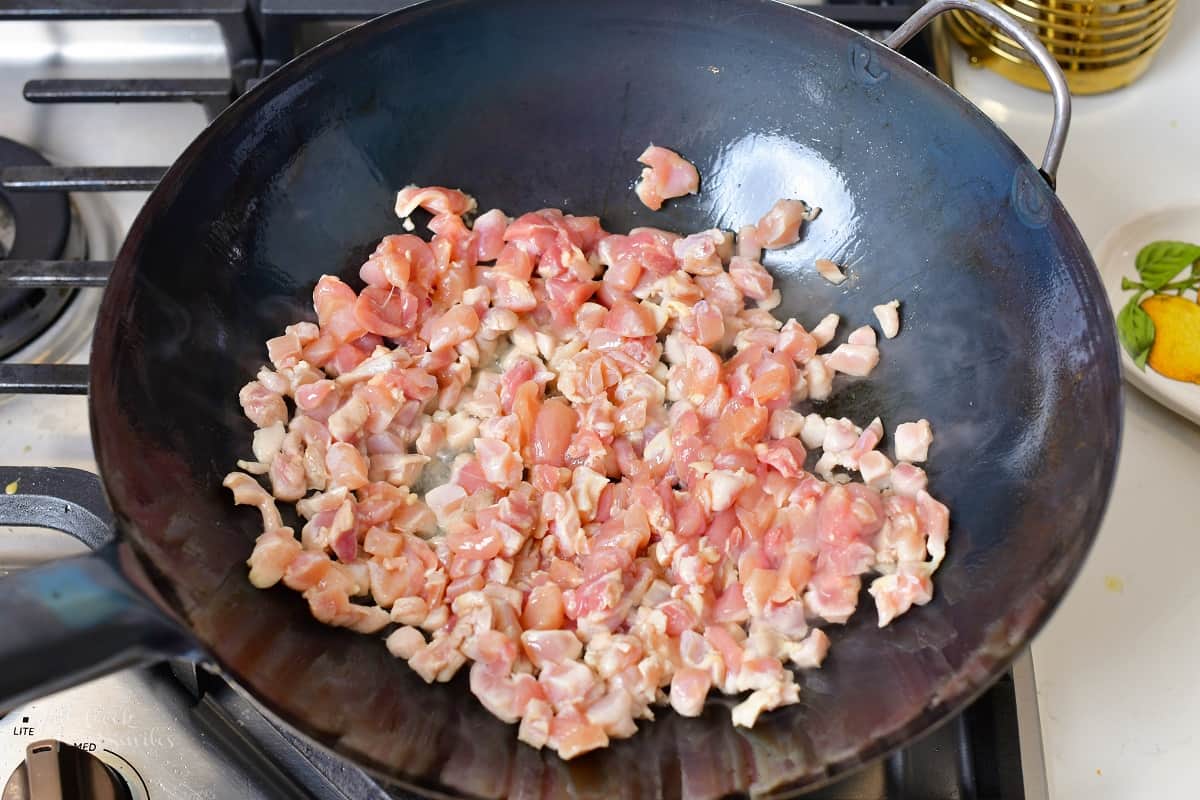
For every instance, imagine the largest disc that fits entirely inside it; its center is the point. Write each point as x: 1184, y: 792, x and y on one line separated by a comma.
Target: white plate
x: 1115, y: 258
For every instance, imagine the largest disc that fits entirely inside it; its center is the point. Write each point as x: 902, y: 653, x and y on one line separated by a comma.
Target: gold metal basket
x: 1101, y: 46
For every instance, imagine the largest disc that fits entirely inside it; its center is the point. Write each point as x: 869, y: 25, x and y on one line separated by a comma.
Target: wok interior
x: 1005, y: 345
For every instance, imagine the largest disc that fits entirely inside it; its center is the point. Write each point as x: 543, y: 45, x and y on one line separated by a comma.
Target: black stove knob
x: 53, y: 770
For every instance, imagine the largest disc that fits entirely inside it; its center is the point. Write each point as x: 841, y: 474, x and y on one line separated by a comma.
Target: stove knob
x: 53, y: 770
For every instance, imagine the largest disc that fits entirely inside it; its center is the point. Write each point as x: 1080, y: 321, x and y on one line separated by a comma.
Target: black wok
x: 1008, y: 348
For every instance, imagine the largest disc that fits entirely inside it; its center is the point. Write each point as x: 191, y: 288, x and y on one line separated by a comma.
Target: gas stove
x: 96, y: 97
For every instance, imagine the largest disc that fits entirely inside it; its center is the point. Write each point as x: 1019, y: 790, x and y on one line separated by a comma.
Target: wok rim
x: 985, y: 667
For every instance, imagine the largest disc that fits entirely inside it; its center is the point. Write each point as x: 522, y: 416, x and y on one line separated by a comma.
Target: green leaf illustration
x: 1158, y: 262
x: 1136, y: 331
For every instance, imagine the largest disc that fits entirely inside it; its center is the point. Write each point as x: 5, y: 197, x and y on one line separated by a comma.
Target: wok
x: 1008, y: 348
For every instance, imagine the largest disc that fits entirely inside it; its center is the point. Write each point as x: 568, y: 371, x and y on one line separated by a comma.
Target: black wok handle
x: 75, y: 619
x: 1036, y: 50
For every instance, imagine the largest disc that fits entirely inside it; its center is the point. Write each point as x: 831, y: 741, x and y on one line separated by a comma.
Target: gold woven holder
x: 1101, y: 46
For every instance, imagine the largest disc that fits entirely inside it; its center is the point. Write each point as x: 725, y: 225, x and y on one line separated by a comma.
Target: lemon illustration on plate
x: 1160, y: 324
x: 1176, y: 349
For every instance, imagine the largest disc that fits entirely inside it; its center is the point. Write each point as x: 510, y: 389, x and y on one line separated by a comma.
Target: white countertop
x: 1118, y: 666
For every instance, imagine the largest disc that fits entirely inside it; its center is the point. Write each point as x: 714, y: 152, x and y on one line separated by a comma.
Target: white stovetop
x: 1118, y: 666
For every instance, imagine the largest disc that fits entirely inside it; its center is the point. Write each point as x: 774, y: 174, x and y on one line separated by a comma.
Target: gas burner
x: 33, y: 226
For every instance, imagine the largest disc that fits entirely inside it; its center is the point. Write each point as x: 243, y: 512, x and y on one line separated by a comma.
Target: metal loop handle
x: 1049, y: 67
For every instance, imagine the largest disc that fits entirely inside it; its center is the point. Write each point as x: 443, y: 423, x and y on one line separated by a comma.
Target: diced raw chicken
x: 571, y: 734
x: 862, y: 336
x: 820, y: 379
x: 899, y: 591
x: 840, y: 434
x: 785, y: 423
x: 935, y: 523
x: 434, y: 199
x: 853, y: 359
x: 410, y: 611
x: 262, y: 406
x: 875, y: 468
x: 581, y: 469
x: 544, y: 647
x: 830, y: 271
x: 833, y: 597
x: 267, y: 442
x: 826, y: 329
x: 273, y: 551
x: 907, y: 480
x: 689, y: 687
x: 613, y: 713
x: 249, y: 492
x: 749, y: 245
x: 454, y: 327
x: 346, y: 423
x: 751, y: 278
x: 912, y: 440
x: 489, y: 230
x: 888, y: 315
x: 667, y: 175
x: 703, y: 253
x: 809, y: 653
x: 543, y: 608
x: 812, y: 434
x: 780, y: 226
x: 535, y: 725
x: 746, y: 713
x: 405, y: 642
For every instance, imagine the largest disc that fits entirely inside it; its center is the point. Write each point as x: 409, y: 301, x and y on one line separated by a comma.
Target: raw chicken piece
x: 398, y: 261
x: 405, y: 642
x: 780, y: 226
x: 901, y: 590
x: 812, y: 434
x: 273, y: 551
x: 262, y: 406
x: 703, y: 253
x: 489, y: 234
x: 434, y: 199
x: 689, y: 687
x: 830, y: 271
x: 346, y: 423
x: 888, y: 315
x: 749, y: 245
x: 809, y: 653
x: 249, y: 492
x: 935, y: 523
x: 571, y: 734
x: 544, y: 647
x: 746, y: 713
x: 454, y: 327
x: 820, y: 379
x: 853, y: 359
x: 862, y: 336
x: 667, y: 175
x: 751, y: 278
x: 912, y: 440
x: 907, y: 480
x: 826, y: 329
x: 876, y: 468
